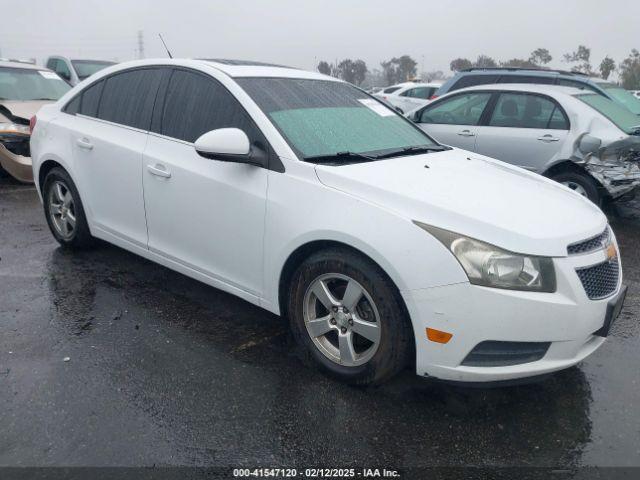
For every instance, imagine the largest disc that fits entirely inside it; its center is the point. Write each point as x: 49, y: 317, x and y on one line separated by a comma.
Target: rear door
x: 207, y: 215
x: 108, y: 138
x: 524, y: 129
x: 454, y: 120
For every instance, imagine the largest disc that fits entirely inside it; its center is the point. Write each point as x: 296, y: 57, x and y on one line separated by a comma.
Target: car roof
x: 233, y: 68
x: 25, y: 65
x: 551, y: 90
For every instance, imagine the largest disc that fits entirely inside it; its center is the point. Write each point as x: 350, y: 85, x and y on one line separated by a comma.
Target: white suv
x: 302, y: 194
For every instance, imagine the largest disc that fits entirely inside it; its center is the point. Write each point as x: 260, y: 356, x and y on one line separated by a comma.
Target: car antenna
x: 165, y: 45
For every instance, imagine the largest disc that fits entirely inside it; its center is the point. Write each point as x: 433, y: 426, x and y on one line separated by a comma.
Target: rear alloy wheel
x: 64, y: 212
x: 349, y: 318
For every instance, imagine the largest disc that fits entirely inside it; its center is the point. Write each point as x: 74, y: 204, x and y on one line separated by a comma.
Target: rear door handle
x: 548, y: 139
x: 159, y: 171
x: 466, y: 133
x: 84, y: 143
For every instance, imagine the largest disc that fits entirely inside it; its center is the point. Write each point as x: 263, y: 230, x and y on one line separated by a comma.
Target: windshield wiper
x: 414, y: 151
x: 332, y: 158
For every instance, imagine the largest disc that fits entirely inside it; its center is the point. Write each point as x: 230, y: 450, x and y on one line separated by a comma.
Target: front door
x: 207, y: 215
x: 454, y: 120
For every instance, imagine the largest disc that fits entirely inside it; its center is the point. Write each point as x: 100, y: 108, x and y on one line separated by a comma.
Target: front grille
x: 590, y: 245
x: 600, y: 281
x: 502, y: 354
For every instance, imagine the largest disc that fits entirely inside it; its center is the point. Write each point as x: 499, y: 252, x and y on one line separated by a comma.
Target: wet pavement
x: 163, y: 370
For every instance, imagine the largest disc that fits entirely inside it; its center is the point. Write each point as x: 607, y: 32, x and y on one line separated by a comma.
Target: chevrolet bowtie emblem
x: 612, y: 252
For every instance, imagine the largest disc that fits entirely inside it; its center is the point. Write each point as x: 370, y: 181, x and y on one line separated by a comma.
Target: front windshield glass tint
x: 22, y: 84
x: 619, y: 115
x: 323, y: 118
x: 86, y: 68
x: 622, y: 96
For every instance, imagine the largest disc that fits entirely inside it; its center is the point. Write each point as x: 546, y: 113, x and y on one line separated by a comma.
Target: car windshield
x: 321, y: 118
x: 22, y: 84
x: 86, y: 68
x: 623, y: 118
x: 622, y: 96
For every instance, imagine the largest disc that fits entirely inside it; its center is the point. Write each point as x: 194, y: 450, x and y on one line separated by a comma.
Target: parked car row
x: 24, y: 88
x: 577, y: 137
x: 408, y: 96
x: 304, y: 195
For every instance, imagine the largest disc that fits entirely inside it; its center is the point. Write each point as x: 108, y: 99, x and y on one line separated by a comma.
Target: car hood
x: 475, y: 196
x: 24, y: 110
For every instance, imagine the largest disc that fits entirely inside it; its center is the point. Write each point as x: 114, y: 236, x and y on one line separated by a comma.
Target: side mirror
x: 589, y: 144
x: 225, y: 144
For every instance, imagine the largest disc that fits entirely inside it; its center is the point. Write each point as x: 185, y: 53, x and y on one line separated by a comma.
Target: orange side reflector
x: 438, y: 336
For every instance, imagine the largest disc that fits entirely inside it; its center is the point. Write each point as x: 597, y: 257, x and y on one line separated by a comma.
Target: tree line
x: 403, y: 68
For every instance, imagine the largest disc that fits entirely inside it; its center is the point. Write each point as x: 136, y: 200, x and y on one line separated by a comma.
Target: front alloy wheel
x: 349, y: 318
x: 342, y: 319
x: 62, y: 209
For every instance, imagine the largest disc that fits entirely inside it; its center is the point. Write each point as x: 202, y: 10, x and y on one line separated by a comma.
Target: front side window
x: 620, y: 116
x: 128, y: 97
x: 462, y: 109
x: 22, y: 84
x: 62, y: 69
x: 522, y: 110
x: 196, y: 104
x: 622, y: 96
x: 86, y: 68
x: 323, y: 118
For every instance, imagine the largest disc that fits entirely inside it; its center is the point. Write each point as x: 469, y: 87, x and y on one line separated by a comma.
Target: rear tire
x: 368, y: 338
x: 64, y: 211
x: 582, y: 183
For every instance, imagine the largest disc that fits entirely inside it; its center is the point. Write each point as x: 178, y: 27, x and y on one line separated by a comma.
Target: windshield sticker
x: 376, y: 107
x: 49, y: 75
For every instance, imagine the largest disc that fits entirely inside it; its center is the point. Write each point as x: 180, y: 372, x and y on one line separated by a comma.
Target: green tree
x: 399, y: 69
x: 629, y: 70
x: 360, y: 71
x: 540, y: 56
x: 518, y: 63
x: 484, y: 61
x: 324, y: 67
x: 582, y: 57
x: 607, y: 66
x: 459, y: 64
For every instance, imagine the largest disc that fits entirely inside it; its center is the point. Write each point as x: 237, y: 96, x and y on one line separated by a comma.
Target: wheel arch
x: 304, y: 251
x: 567, y: 166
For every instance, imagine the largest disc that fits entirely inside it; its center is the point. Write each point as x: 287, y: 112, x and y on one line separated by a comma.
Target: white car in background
x: 76, y: 70
x: 636, y: 93
x: 577, y: 137
x: 304, y: 195
x: 408, y: 96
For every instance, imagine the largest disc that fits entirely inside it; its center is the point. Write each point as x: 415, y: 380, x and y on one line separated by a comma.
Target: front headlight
x: 492, y: 266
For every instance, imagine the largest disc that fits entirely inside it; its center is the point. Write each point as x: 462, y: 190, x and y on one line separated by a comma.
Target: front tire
x: 64, y: 211
x: 581, y: 183
x: 349, y: 318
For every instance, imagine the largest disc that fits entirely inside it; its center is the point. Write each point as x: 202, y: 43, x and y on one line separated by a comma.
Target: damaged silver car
x: 579, y: 138
x: 24, y: 88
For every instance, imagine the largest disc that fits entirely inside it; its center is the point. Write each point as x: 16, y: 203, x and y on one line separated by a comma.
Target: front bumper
x: 18, y: 166
x: 474, y: 314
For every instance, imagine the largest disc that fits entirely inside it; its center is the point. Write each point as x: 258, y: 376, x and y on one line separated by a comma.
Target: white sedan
x: 408, y: 96
x: 302, y: 194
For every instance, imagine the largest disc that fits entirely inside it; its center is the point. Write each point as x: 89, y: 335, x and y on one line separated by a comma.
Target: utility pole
x: 140, y: 44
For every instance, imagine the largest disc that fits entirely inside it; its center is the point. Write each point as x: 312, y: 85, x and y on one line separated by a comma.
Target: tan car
x: 24, y: 88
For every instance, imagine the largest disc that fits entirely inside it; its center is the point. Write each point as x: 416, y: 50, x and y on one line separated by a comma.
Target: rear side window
x: 391, y: 89
x: 90, y: 100
x: 518, y: 110
x: 128, y: 97
x: 419, y: 92
x: 473, y: 80
x: 462, y: 109
x: 196, y: 104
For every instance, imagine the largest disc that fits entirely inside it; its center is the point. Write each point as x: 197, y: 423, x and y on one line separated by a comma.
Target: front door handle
x: 84, y: 143
x: 548, y: 139
x: 466, y: 133
x: 159, y: 171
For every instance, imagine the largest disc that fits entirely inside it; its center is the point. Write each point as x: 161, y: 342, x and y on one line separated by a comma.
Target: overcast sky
x: 302, y: 32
